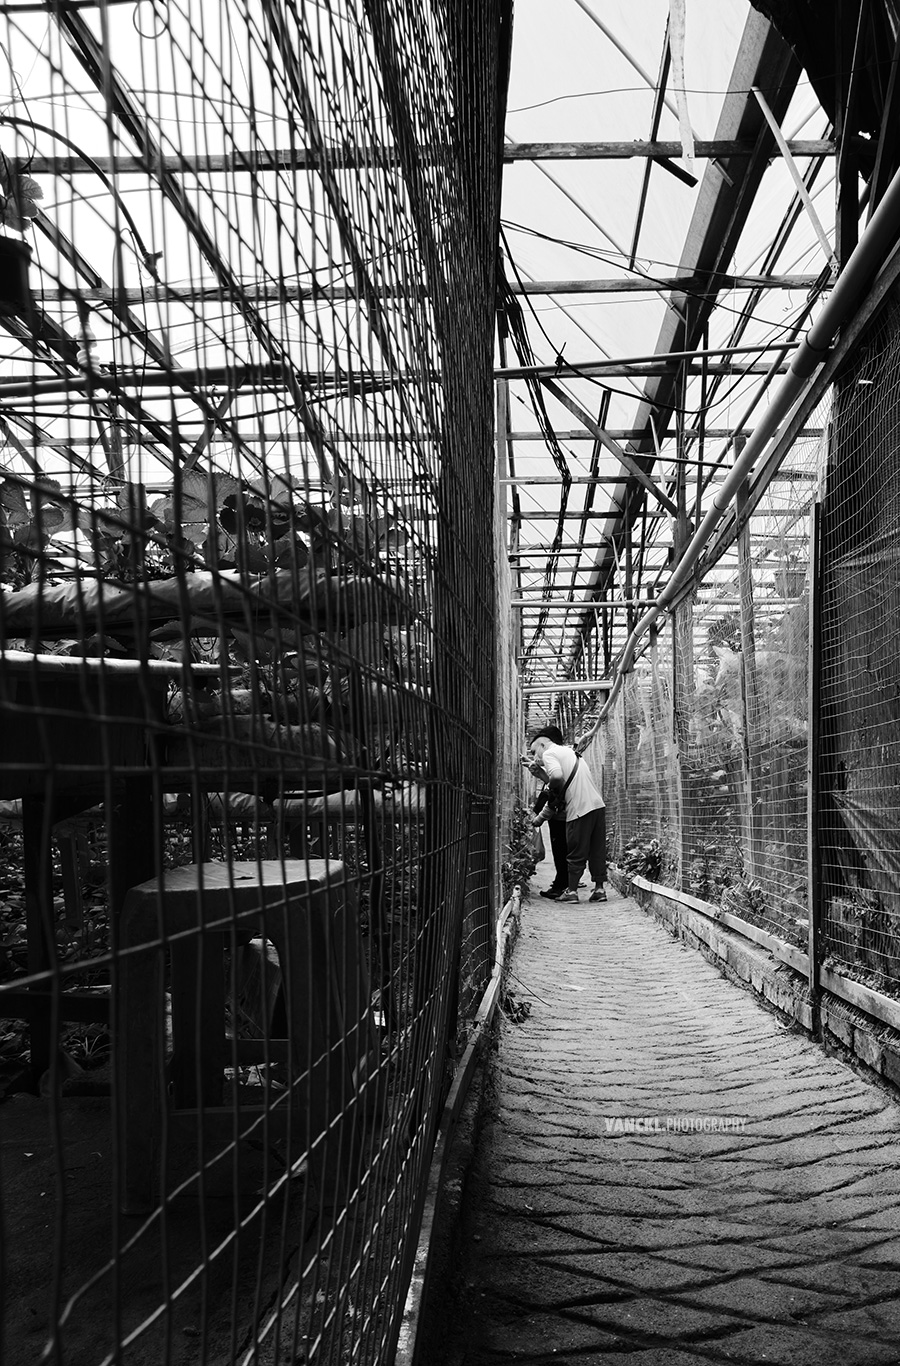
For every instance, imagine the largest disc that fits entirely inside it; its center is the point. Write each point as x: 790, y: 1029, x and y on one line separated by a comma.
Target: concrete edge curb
x: 412, y: 1312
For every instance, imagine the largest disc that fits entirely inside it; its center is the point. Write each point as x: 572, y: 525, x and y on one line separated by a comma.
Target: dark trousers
x: 586, y: 844
x: 559, y: 848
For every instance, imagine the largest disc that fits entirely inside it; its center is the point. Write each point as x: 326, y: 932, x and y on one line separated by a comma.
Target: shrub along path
x: 751, y: 1216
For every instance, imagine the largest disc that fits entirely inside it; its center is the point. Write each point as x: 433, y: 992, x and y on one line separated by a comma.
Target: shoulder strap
x: 571, y: 775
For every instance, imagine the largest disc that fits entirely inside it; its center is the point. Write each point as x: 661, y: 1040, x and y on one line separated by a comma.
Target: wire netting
x: 860, y: 855
x: 510, y: 730
x: 250, y: 686
x: 711, y: 727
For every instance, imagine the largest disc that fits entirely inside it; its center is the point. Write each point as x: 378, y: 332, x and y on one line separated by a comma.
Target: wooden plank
x: 786, y: 953
x: 883, y: 1008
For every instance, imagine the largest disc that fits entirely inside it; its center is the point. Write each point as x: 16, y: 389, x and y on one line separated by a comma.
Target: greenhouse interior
x: 382, y: 383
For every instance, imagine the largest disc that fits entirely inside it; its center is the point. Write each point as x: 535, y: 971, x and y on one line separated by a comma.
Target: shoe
x: 550, y: 894
x: 568, y: 896
x: 598, y: 894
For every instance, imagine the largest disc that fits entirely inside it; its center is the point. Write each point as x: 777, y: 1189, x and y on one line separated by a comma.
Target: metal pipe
x: 521, y: 371
x: 540, y: 603
x: 567, y: 685
x: 867, y: 257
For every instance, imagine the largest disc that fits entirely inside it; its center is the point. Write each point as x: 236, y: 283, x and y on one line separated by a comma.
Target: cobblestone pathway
x: 774, y: 1240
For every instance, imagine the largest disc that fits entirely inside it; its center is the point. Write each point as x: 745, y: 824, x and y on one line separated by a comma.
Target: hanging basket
x: 15, y: 292
x: 790, y: 582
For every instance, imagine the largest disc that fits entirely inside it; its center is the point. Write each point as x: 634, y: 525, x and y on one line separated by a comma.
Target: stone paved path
x: 777, y: 1242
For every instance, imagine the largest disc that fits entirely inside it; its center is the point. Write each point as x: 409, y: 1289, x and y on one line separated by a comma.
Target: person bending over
x: 556, y: 825
x: 569, y: 780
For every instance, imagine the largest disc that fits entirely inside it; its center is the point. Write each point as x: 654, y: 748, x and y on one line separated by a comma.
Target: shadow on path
x: 669, y: 1175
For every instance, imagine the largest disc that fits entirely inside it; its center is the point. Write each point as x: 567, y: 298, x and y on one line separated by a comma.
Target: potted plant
x: 791, y: 576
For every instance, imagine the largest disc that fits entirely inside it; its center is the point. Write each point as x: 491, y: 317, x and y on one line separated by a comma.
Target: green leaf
x: 14, y: 504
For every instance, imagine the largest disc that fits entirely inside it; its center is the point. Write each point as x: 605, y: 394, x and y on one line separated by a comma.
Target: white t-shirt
x: 582, y: 795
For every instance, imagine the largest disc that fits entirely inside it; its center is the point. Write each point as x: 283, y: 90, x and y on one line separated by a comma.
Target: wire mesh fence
x: 711, y: 728
x: 708, y: 746
x: 250, y: 687
x: 859, y: 689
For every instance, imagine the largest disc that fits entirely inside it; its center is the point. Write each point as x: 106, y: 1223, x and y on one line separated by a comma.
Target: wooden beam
x: 682, y: 284
x: 527, y: 481
x: 626, y: 151
x: 632, y: 434
x: 255, y: 160
x: 328, y: 293
x: 543, y: 516
x: 616, y: 369
x: 274, y: 375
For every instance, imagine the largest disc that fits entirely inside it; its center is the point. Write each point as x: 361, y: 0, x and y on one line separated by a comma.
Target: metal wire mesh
x: 711, y: 728
x: 249, y: 677
x: 859, y: 738
x: 509, y: 714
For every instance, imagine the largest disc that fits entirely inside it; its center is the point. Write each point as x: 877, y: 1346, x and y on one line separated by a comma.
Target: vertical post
x: 504, y: 466
x: 509, y: 583
x: 813, y: 763
x: 504, y: 646
x: 682, y: 696
x: 850, y: 25
x: 701, y: 429
x: 630, y: 613
x: 749, y: 689
x: 39, y: 928
x: 654, y: 734
x: 683, y: 684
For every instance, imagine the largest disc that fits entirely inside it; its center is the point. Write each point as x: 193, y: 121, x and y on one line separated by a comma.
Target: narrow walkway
x: 776, y: 1241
